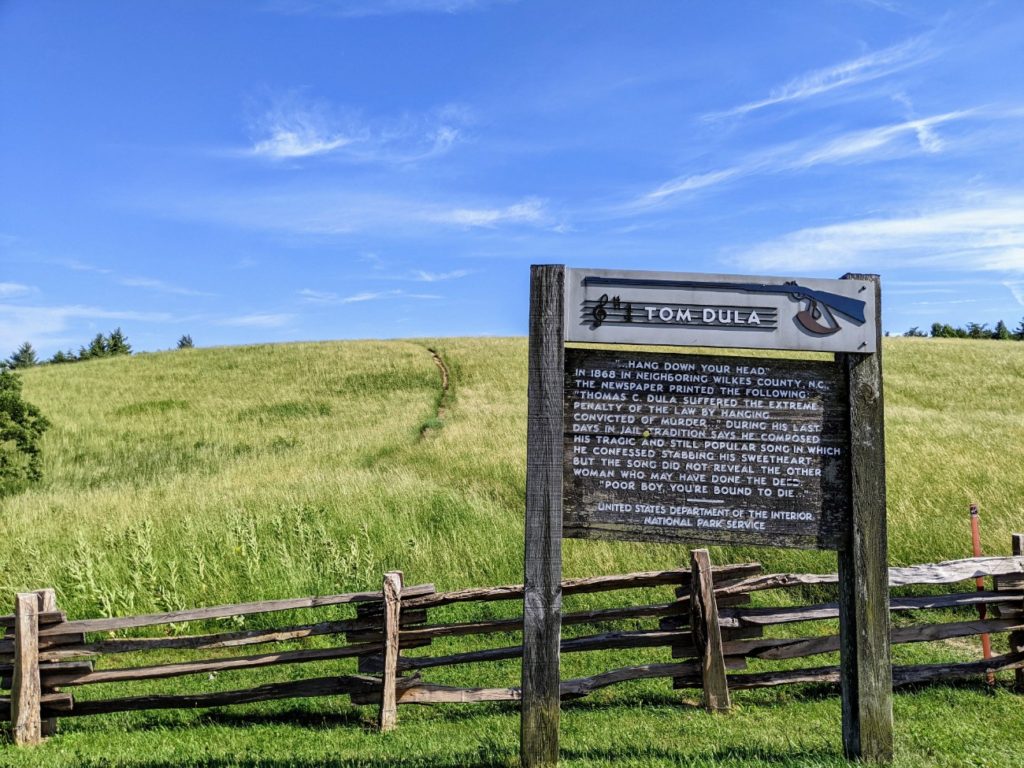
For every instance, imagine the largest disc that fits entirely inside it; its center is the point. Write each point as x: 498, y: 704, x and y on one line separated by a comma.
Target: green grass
x: 208, y: 476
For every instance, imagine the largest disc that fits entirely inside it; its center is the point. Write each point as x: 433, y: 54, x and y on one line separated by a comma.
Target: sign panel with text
x: 730, y: 450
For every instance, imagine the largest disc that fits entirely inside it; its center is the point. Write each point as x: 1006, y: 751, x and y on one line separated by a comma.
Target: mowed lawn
x: 209, y: 476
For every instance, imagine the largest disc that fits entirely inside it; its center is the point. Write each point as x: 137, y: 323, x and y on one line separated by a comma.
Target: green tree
x: 63, y: 357
x: 915, y: 331
x: 97, y: 348
x: 947, y: 331
x: 978, y: 331
x: 23, y: 357
x: 117, y: 343
x: 1019, y: 333
x: 21, y: 427
x: 1002, y: 333
x: 185, y: 342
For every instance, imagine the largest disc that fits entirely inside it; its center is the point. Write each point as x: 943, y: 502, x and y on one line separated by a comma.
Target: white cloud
x: 328, y: 297
x: 861, y: 143
x: 436, y: 277
x: 870, y: 66
x: 291, y: 131
x: 528, y: 211
x: 159, y: 286
x: 378, y: 295
x: 43, y: 325
x: 259, y: 320
x: 359, y: 8
x: 325, y: 211
x: 856, y: 146
x: 293, y: 128
x: 1016, y: 288
x: 971, y: 238
x: 318, y: 297
x: 81, y: 266
x: 8, y: 290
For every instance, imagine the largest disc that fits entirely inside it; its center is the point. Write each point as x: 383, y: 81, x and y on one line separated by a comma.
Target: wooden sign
x: 728, y: 450
x: 671, y: 447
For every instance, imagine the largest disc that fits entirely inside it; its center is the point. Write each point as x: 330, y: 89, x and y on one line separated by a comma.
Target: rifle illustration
x: 816, y: 317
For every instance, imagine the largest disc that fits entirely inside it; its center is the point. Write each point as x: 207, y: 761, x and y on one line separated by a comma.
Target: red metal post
x: 986, y: 643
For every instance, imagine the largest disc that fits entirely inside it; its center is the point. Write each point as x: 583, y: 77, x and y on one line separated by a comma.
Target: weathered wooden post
x: 392, y: 590
x: 1015, y: 582
x: 26, y: 693
x: 48, y: 603
x: 866, y: 667
x: 707, y: 634
x: 542, y: 599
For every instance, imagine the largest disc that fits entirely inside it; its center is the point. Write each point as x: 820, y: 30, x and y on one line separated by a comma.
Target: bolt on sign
x: 708, y: 448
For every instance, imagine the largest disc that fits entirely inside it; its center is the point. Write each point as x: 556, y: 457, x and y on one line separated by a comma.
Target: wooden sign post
x: 669, y: 448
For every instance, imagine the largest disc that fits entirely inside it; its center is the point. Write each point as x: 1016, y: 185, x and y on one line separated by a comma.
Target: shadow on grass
x: 726, y: 756
x: 491, y: 756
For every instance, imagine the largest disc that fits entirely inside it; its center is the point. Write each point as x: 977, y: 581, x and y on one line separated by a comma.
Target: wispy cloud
x: 1016, y: 289
x: 981, y: 238
x: 9, y: 290
x: 528, y: 211
x: 268, y: 320
x: 870, y: 66
x: 437, y: 277
x: 328, y: 212
x: 160, y: 286
x: 399, y: 294
x: 327, y: 297
x: 318, y: 297
x: 359, y: 8
x: 42, y: 324
x: 855, y: 146
x: 81, y: 266
x: 294, y: 127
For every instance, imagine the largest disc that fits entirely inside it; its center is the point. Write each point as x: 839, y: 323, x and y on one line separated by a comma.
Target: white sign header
x: 700, y: 310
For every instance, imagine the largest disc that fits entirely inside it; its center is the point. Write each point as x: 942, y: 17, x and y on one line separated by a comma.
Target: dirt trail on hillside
x: 442, y: 403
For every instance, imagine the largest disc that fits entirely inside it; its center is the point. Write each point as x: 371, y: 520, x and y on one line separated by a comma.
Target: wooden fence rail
x: 709, y: 630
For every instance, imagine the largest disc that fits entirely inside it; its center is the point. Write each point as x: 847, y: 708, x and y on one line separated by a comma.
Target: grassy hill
x: 205, y: 476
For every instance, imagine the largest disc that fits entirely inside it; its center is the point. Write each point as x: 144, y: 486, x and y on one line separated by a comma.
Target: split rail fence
x: 710, y: 629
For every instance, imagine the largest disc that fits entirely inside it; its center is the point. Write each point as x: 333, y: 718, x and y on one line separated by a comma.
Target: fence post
x: 676, y: 622
x: 707, y: 635
x: 392, y: 590
x: 26, y: 696
x: 47, y: 602
x: 1015, y: 582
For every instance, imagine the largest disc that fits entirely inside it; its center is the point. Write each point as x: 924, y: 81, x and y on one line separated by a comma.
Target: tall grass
x: 209, y: 475
x: 206, y: 476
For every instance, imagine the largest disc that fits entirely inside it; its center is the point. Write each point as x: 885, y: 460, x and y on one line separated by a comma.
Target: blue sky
x: 305, y: 169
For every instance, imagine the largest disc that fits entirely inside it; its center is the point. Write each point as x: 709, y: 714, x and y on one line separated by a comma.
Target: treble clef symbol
x: 600, y: 313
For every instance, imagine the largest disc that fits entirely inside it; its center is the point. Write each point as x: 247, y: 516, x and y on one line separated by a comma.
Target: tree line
x: 111, y: 345
x: 971, y: 331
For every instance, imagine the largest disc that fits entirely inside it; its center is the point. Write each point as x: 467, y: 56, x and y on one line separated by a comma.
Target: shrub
x: 185, y: 342
x: 21, y: 428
